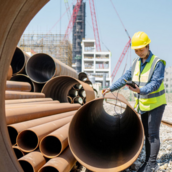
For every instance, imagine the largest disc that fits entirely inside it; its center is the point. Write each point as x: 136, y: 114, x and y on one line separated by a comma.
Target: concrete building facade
x: 168, y: 79
x: 78, y: 35
x: 96, y: 62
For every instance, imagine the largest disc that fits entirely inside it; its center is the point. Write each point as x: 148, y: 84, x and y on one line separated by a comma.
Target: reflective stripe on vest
x: 154, y: 99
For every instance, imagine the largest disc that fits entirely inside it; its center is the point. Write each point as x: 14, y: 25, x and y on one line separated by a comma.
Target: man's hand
x: 105, y: 91
x: 137, y: 89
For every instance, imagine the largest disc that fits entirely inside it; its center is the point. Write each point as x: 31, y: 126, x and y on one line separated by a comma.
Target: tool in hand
x: 130, y: 83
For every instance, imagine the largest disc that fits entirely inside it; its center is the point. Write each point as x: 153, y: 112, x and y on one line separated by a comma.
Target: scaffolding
x: 47, y: 43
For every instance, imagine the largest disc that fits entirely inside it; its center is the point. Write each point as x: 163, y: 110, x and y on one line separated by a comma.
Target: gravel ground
x: 165, y: 154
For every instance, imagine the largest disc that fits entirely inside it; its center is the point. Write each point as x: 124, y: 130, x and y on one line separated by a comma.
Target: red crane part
x: 120, y: 59
x: 67, y: 8
x: 72, y: 19
x: 95, y: 26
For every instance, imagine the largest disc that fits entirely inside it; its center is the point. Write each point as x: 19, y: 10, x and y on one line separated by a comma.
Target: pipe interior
x: 13, y: 134
x: 27, y: 167
x: 49, y: 169
x: 69, y: 100
x: 104, y: 141
x: 51, y: 146
x: 18, y: 153
x: 41, y: 68
x: 18, y: 61
x: 27, y: 140
x: 58, y: 88
x: 23, y: 78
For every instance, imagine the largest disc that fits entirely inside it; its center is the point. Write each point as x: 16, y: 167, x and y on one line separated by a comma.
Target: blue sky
x: 150, y: 16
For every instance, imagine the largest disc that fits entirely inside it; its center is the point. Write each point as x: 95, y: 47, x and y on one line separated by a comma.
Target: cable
x: 119, y: 89
x: 120, y: 20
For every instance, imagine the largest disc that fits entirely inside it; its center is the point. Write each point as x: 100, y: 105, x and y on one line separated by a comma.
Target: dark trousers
x: 151, y: 122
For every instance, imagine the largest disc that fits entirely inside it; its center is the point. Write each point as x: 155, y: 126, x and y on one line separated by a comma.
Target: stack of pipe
x: 37, y: 69
x: 38, y: 123
x: 39, y: 133
x: 38, y: 130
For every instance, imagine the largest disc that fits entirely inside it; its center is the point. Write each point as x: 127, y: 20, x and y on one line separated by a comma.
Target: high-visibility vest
x: 154, y: 99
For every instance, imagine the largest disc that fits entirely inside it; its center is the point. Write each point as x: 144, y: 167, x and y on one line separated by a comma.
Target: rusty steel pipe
x: 21, y: 101
x: 70, y: 100
x: 82, y: 93
x: 10, y: 73
x: 28, y: 140
x: 78, y: 100
x: 15, y: 129
x: 18, y: 152
x: 15, y: 16
x: 9, y: 106
x: 19, y: 61
x: 63, y: 163
x: 58, y: 88
x: 102, y: 142
x: 73, y: 93
x: 16, y: 115
x: 83, y: 76
x: 18, y: 86
x: 10, y: 95
x: 32, y: 162
x: 54, y: 143
x: 25, y: 78
x: 42, y: 67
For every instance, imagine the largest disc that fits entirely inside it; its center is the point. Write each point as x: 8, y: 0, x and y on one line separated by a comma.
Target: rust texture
x: 18, y: 86
x: 10, y: 95
x: 15, y: 15
x: 21, y: 114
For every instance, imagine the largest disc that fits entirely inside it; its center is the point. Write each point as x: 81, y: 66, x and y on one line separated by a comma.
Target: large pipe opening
x: 23, y: 78
x: 100, y: 141
x: 18, y: 61
x: 49, y: 169
x: 18, y: 152
x: 51, y: 146
x: 13, y: 133
x: 27, y: 140
x: 41, y: 68
x: 26, y: 166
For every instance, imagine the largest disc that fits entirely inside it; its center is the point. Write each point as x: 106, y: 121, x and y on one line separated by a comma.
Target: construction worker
x: 147, y: 72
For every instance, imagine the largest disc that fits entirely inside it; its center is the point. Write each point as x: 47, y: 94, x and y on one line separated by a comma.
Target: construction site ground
x: 165, y: 154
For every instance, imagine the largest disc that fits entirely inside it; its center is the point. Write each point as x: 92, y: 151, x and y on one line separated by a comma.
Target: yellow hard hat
x: 140, y: 40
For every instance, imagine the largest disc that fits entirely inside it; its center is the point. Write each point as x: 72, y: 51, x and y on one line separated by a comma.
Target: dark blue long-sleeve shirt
x: 153, y: 85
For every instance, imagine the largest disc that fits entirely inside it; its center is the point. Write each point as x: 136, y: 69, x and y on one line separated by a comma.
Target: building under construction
x: 78, y: 35
x: 47, y: 43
